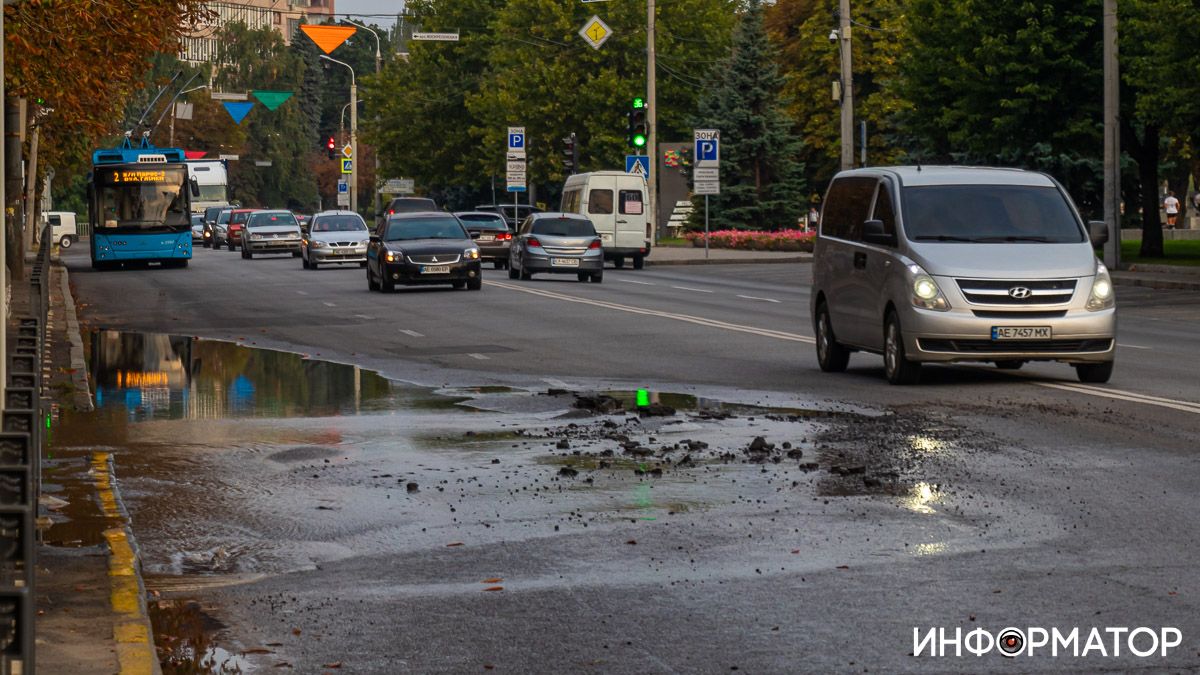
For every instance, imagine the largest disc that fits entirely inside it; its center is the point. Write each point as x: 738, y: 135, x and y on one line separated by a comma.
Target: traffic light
x: 331, y: 146
x: 570, y: 154
x: 637, y: 123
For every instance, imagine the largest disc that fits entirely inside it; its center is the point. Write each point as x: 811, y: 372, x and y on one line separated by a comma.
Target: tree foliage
x: 761, y: 182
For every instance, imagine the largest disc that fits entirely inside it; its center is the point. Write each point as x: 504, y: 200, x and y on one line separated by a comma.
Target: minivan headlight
x: 1102, y: 296
x: 926, y: 293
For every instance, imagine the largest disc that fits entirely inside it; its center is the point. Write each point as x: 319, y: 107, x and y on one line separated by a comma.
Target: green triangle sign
x: 272, y: 99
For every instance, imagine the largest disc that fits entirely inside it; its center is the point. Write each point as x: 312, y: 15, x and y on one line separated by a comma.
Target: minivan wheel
x: 619, y: 262
x: 65, y: 242
x: 831, y: 356
x: 512, y: 272
x: 1010, y: 365
x: 895, y: 363
x: 1095, y: 373
x: 639, y: 262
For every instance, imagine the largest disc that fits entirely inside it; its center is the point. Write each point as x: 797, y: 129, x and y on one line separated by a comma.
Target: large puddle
x: 238, y: 463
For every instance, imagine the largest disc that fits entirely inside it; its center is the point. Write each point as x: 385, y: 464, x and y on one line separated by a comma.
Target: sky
x: 391, y: 7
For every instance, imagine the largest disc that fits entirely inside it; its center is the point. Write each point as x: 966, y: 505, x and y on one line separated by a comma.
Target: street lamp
x: 353, y: 132
x: 378, y: 69
x: 171, y: 141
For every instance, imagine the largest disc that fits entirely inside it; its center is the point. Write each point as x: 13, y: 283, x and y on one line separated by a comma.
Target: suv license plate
x: 435, y: 269
x: 565, y: 262
x: 1021, y: 333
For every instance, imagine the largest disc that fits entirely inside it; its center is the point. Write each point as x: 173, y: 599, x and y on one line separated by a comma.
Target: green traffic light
x: 639, y: 140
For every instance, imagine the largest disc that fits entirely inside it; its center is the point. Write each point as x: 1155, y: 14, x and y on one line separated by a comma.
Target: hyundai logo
x: 1019, y: 292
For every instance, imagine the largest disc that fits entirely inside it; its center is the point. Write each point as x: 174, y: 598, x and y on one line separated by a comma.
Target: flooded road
x: 240, y: 466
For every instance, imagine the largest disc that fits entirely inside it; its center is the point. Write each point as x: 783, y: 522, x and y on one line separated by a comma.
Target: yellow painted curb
x: 131, y: 627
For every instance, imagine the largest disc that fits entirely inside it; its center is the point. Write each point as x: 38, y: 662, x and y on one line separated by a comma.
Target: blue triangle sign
x: 238, y: 109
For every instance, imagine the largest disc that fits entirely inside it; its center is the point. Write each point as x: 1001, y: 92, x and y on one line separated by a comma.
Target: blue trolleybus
x: 139, y: 206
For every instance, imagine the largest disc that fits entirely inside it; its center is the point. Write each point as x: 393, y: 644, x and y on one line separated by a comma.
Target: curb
x: 1156, y: 282
x: 83, y: 391
x: 730, y: 261
x: 1181, y: 270
x: 131, y: 622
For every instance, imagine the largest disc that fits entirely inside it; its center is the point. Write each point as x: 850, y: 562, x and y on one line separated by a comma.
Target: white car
x: 271, y: 232
x: 335, y: 237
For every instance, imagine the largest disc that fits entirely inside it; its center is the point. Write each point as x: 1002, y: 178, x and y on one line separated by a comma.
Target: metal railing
x: 21, y: 437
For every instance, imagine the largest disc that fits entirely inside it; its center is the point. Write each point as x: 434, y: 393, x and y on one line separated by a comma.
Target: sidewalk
x: 1173, y: 277
x: 690, y: 255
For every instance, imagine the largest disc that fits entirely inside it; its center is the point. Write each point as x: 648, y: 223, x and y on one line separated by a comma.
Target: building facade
x: 284, y: 16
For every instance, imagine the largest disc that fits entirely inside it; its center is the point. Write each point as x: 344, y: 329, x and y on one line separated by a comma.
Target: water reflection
x: 154, y: 376
x: 920, y: 497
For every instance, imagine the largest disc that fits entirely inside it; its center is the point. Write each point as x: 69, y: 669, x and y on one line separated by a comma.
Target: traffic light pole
x: 651, y: 121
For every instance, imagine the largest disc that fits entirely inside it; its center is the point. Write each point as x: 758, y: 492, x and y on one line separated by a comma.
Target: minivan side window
x: 600, y: 202
x: 885, y: 211
x: 846, y: 207
x: 570, y: 201
x: 631, y: 202
x: 55, y: 221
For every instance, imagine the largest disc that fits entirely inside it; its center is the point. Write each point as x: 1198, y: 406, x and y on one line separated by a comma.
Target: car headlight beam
x: 926, y: 293
x: 471, y: 254
x: 1102, y: 295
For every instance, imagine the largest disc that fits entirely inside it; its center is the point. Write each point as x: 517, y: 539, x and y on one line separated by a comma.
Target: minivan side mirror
x: 873, y: 233
x: 1098, y: 231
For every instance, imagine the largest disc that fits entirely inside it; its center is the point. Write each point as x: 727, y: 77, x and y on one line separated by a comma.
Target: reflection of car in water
x: 143, y: 372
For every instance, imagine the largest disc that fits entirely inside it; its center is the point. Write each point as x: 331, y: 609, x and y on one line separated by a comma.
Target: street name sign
x: 435, y: 37
x: 595, y: 32
x: 399, y: 186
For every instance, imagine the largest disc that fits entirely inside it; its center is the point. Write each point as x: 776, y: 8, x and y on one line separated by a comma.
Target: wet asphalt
x: 317, y: 514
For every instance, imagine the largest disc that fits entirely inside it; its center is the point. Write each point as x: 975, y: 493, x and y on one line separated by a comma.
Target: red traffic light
x: 331, y: 143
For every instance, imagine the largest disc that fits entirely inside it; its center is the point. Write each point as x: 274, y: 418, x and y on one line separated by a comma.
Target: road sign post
x: 638, y: 165
x: 706, y: 173
x: 515, y: 176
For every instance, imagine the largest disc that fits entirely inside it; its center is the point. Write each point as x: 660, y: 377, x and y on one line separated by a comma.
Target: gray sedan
x: 558, y: 243
x: 335, y: 237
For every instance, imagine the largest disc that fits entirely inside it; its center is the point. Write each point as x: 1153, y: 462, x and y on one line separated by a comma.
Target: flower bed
x: 781, y: 240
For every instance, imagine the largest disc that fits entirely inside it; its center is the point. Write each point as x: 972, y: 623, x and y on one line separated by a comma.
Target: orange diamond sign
x: 327, y: 37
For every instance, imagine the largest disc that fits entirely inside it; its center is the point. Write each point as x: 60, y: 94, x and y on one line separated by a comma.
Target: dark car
x: 407, y: 205
x: 558, y: 243
x: 209, y: 222
x: 422, y: 248
x: 491, y: 235
x: 514, y: 214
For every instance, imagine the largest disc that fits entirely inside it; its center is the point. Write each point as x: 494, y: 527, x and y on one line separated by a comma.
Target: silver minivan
x: 947, y: 264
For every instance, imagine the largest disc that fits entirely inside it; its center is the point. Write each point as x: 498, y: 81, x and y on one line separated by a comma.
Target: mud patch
x: 305, y: 453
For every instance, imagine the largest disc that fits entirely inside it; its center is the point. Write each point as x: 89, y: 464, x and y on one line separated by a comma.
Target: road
x: 1023, y: 499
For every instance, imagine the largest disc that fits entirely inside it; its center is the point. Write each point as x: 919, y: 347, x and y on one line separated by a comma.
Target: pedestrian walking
x: 1171, y: 206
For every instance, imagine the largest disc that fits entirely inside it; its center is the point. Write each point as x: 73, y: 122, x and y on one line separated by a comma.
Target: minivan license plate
x: 435, y: 269
x: 565, y: 262
x: 1020, y: 332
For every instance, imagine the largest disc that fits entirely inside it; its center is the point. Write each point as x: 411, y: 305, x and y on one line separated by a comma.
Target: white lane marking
x: 329, y: 304
x: 689, y: 288
x: 641, y: 283
x: 1133, y: 346
x: 481, y: 357
x: 558, y: 384
x: 411, y: 333
x: 752, y: 297
x: 687, y: 318
x: 364, y: 316
x: 1183, y: 406
x: 302, y: 292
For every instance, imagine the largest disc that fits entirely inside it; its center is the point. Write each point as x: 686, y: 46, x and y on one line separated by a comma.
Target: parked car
x: 334, y: 237
x: 422, y: 248
x: 514, y: 214
x: 209, y: 221
x: 491, y: 233
x: 271, y: 232
x: 215, y: 233
x: 197, y: 227
x: 946, y: 264
x: 615, y: 202
x: 558, y: 243
x: 63, y: 227
x: 232, y: 236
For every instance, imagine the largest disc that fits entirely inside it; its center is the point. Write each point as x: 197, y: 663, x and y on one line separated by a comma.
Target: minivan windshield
x: 989, y: 214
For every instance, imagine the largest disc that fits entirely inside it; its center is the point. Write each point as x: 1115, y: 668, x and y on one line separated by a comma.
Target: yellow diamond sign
x: 595, y: 32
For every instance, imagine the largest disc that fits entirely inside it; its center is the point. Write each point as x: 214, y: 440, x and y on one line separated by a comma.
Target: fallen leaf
x: 795, y: 551
x: 274, y: 644
x: 284, y: 664
x: 632, y: 542
x: 843, y: 567
x: 457, y: 543
x: 494, y: 588
x: 488, y: 666
x: 496, y: 580
x: 335, y: 664
x: 295, y: 631
x: 257, y: 650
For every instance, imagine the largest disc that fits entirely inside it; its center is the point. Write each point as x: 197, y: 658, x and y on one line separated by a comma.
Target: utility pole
x: 1112, y: 138
x: 651, y: 121
x: 378, y: 69
x: 3, y: 227
x: 847, y: 86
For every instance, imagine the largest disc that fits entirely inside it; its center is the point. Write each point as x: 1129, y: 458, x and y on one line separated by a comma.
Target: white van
x: 616, y: 203
x: 63, y: 228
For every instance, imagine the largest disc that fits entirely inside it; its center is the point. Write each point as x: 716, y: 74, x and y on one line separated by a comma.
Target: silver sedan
x: 334, y: 237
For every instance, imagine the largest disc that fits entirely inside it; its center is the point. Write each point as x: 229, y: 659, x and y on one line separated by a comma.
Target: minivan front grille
x: 1019, y: 314
x: 1015, y: 346
x: 1021, y: 292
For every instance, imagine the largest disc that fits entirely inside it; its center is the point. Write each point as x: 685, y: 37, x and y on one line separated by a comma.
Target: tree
x: 800, y: 29
x: 1009, y: 83
x: 761, y: 182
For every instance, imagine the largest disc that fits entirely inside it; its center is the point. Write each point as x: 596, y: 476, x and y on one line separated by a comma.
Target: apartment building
x: 282, y: 15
